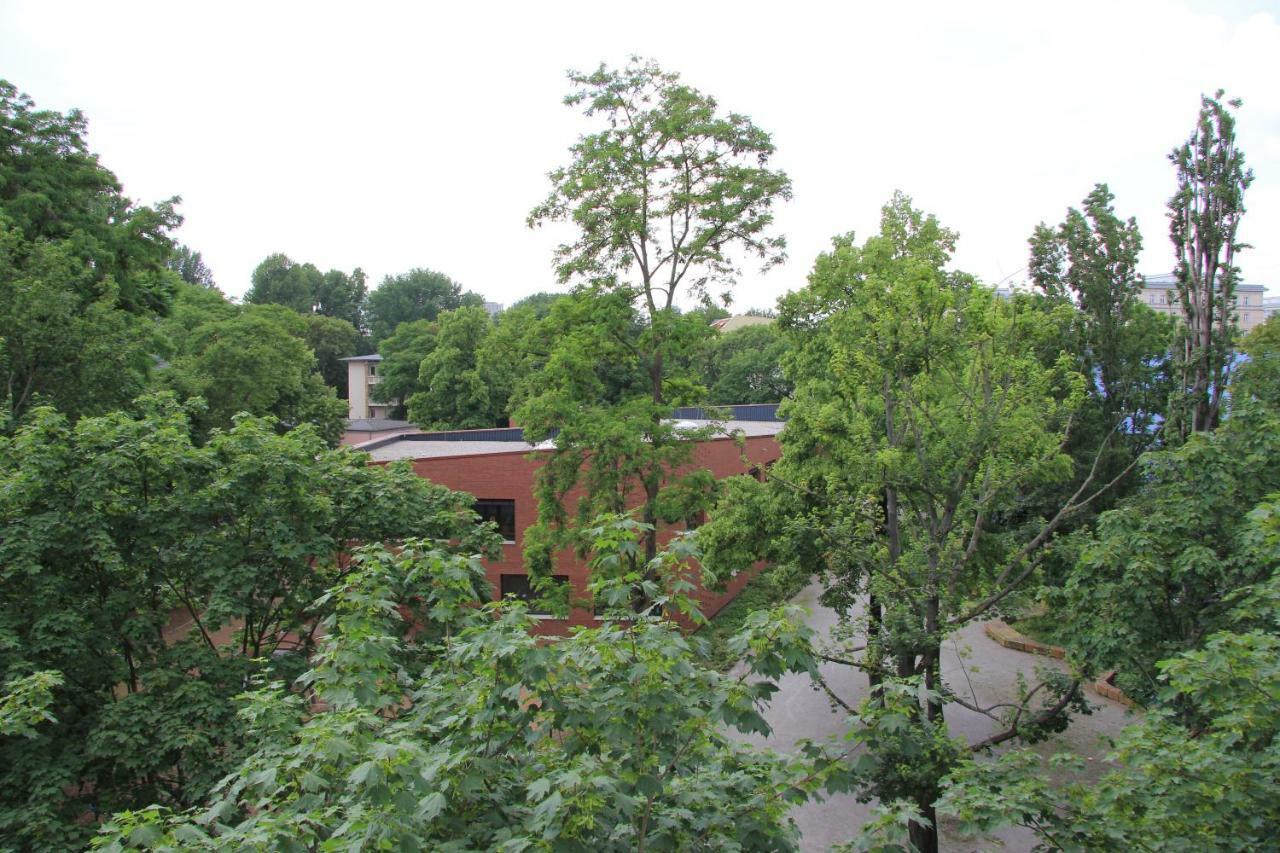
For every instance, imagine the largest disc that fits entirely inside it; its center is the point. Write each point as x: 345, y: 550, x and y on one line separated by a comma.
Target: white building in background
x: 362, y: 375
x: 1160, y: 293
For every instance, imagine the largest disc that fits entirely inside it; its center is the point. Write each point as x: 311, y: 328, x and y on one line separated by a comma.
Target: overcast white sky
x: 389, y: 136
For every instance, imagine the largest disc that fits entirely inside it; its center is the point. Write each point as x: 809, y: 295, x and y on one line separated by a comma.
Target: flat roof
x: 373, y: 357
x: 377, y: 424
x: 413, y: 446
x: 1168, y: 281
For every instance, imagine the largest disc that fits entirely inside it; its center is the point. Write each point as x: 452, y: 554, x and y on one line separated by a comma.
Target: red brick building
x: 498, y: 468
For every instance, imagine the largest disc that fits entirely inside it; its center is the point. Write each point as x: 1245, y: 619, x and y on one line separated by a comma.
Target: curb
x: 1007, y: 636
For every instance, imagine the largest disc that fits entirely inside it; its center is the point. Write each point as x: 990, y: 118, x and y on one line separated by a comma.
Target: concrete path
x: 971, y: 662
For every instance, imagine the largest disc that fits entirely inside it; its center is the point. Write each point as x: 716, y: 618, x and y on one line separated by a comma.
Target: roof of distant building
x: 376, y: 424
x: 461, y: 443
x: 372, y: 357
x: 1168, y: 281
x: 740, y: 321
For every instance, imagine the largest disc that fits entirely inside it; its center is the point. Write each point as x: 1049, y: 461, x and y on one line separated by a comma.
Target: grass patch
x: 1043, y: 628
x: 773, y: 586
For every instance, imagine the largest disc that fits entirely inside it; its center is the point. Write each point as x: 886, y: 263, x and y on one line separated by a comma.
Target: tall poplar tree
x: 1204, y: 215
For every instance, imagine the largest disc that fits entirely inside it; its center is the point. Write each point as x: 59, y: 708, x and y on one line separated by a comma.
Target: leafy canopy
x: 419, y: 294
x: 169, y: 575
x: 467, y: 733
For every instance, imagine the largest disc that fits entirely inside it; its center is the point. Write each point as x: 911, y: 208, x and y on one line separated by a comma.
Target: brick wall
x: 510, y: 475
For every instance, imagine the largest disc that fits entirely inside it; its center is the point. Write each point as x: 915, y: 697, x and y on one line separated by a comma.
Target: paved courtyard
x: 971, y: 661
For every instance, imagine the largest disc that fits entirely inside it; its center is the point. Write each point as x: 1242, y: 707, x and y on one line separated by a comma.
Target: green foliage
x: 257, y: 362
x: 1258, y: 378
x: 330, y: 340
x: 194, y: 306
x: 302, y: 287
x: 1204, y: 216
x: 402, y: 354
x: 53, y: 190
x: 665, y: 194
x: 612, y: 738
x: 1185, y: 577
x: 166, y: 575
x: 773, y: 586
x: 25, y: 703
x: 64, y: 338
x: 539, y: 303
x: 461, y: 371
x: 190, y: 267
x: 1165, y: 566
x: 745, y: 366
x: 455, y: 391
x: 1211, y: 787
x: 419, y: 294
x: 926, y: 410
x: 611, y: 437
x: 668, y: 187
x: 1092, y: 260
x: 904, y: 753
x: 83, y: 268
x: 522, y: 338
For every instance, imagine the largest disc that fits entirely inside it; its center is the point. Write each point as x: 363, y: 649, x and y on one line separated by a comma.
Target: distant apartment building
x: 362, y: 375
x: 498, y: 467
x: 1270, y: 305
x: 1160, y: 293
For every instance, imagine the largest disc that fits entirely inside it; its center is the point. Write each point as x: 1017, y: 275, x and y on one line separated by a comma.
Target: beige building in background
x: 362, y: 375
x: 1160, y: 293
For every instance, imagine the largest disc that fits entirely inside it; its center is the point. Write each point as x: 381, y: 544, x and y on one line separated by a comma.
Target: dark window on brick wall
x: 521, y: 587
x: 500, y: 512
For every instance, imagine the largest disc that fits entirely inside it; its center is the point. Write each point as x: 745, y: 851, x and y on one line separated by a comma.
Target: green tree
x: 60, y: 345
x: 454, y: 392
x: 666, y: 196
x: 190, y: 266
x: 53, y: 189
x: 279, y: 280
x: 923, y: 414
x: 83, y: 268
x: 1204, y: 215
x: 745, y: 366
x: 540, y: 303
x: 25, y: 702
x: 1259, y: 377
x: 522, y: 338
x: 256, y: 362
x: 402, y: 354
x: 1205, y: 786
x: 419, y: 294
x: 193, y: 306
x: 1092, y: 259
x: 169, y: 575
x: 1164, y: 568
x: 614, y: 738
x: 331, y: 340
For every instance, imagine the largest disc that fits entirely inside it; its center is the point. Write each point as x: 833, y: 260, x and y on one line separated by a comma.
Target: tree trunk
x: 653, y: 483
x: 875, y: 621
x: 925, y: 838
x: 930, y: 660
